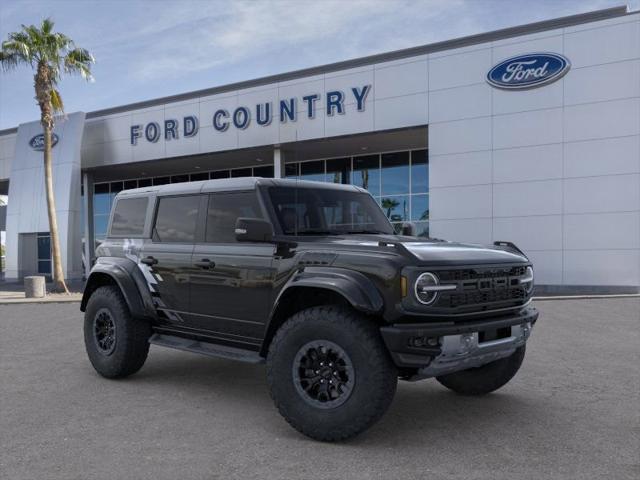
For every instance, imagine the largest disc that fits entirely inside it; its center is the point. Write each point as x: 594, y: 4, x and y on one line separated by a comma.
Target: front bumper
x: 433, y: 349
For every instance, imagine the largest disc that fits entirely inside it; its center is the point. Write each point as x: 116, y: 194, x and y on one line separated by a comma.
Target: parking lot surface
x: 571, y: 412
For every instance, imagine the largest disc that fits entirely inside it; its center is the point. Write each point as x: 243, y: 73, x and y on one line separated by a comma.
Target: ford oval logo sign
x: 37, y: 142
x: 528, y: 71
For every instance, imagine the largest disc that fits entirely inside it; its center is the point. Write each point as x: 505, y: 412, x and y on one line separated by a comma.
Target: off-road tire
x: 375, y: 375
x: 485, y: 379
x: 131, y: 335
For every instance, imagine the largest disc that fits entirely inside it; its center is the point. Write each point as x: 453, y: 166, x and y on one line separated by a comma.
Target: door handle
x: 149, y: 260
x: 205, y: 263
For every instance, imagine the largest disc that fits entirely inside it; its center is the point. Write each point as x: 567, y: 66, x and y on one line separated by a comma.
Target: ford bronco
x: 311, y: 279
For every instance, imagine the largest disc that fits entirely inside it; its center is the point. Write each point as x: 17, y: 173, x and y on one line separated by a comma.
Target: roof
x: 229, y: 184
x: 371, y: 59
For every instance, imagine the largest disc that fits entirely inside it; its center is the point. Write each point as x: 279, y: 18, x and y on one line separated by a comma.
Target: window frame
x: 199, y: 230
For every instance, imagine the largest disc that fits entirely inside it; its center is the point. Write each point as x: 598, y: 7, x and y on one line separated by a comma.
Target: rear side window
x: 224, y: 210
x: 176, y: 219
x: 128, y: 217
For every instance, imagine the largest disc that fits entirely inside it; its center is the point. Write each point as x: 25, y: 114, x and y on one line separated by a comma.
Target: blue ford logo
x: 528, y: 71
x: 37, y: 142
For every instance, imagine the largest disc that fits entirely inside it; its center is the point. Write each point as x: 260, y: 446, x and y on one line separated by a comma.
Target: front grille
x: 482, y: 287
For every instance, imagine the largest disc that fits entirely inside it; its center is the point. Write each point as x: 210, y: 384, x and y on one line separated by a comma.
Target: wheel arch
x: 123, y: 274
x: 321, y: 286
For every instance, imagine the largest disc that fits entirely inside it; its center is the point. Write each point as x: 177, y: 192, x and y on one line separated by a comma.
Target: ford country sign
x: 37, y: 142
x: 528, y: 71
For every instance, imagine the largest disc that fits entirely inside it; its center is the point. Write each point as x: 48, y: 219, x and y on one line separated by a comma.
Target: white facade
x: 554, y: 169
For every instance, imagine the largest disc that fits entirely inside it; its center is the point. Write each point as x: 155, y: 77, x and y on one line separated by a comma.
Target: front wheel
x: 329, y: 373
x: 484, y: 379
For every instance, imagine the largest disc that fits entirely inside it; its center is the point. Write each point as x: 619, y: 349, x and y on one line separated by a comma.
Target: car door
x: 230, y: 292
x: 168, y: 256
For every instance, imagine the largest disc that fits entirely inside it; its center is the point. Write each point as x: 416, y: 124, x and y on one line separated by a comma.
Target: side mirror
x: 253, y: 230
x: 408, y: 229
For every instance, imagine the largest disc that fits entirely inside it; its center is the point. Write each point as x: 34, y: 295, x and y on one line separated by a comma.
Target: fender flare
x: 126, y: 274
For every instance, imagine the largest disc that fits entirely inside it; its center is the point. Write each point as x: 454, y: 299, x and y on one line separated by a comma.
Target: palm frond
x: 79, y: 61
x: 56, y: 101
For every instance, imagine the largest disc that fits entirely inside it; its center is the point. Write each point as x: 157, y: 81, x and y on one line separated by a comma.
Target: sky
x: 150, y: 49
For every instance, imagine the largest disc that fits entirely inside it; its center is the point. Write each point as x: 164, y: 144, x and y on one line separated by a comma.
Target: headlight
x: 527, y: 280
x: 426, y: 288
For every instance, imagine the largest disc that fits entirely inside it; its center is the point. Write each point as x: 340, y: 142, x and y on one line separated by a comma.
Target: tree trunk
x: 58, y: 275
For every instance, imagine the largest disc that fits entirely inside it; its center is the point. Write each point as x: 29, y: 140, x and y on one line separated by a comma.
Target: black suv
x: 311, y: 279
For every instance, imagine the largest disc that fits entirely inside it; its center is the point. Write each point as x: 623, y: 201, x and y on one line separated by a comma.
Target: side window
x: 224, y: 210
x: 128, y: 217
x: 176, y: 219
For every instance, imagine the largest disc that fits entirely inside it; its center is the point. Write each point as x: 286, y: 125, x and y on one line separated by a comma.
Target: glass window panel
x: 101, y: 188
x: 44, y: 266
x: 396, y: 208
x: 422, y: 229
x: 313, y: 171
x: 101, y: 203
x: 128, y: 216
x: 100, y: 225
x: 116, y: 187
x: 241, y: 172
x: 129, y: 184
x: 224, y: 209
x: 291, y: 169
x: 145, y: 182
x: 179, y: 178
x: 219, y: 174
x: 395, y: 173
x: 366, y: 173
x: 419, y: 207
x: 264, y: 172
x: 176, y: 219
x: 338, y: 170
x: 196, y: 177
x: 44, y: 247
x: 419, y: 171
x: 161, y: 180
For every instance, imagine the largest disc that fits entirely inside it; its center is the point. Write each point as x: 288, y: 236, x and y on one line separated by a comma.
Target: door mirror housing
x: 253, y: 230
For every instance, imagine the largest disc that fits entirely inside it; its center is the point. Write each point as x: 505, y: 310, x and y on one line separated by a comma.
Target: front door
x: 168, y: 255
x: 231, y: 288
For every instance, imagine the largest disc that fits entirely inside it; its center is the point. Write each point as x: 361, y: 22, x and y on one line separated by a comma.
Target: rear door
x: 168, y: 254
x: 232, y: 284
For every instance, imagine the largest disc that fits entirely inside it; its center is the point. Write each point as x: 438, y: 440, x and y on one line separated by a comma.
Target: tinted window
x: 224, y: 210
x: 176, y: 219
x: 309, y: 211
x: 128, y: 217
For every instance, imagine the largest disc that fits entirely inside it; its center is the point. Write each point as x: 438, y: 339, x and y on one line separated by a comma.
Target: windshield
x: 308, y: 211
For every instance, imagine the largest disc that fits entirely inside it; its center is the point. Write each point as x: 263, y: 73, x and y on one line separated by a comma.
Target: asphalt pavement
x: 573, y: 411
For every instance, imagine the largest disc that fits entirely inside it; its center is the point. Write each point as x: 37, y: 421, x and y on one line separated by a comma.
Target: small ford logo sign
x: 528, y: 71
x: 37, y: 142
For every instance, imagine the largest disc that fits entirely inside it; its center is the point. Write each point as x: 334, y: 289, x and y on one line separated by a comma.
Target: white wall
x: 7, y: 151
x: 554, y: 169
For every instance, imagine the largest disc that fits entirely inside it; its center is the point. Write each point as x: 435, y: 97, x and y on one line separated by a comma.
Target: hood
x: 426, y: 251
x: 462, y: 254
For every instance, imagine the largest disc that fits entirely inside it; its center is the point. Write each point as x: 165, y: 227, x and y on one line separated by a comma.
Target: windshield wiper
x: 314, y: 231
x: 372, y: 232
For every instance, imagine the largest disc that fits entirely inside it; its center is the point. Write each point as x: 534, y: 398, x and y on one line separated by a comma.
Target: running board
x: 213, y: 350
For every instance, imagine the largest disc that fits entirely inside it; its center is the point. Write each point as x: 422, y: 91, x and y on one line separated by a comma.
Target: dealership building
x: 529, y: 134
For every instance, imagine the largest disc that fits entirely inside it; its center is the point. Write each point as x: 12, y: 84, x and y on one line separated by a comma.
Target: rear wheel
x: 484, y: 379
x: 116, y: 343
x: 329, y: 373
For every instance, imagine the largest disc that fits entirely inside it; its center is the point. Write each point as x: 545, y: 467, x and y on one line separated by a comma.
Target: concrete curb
x: 17, y: 301
x: 585, y: 297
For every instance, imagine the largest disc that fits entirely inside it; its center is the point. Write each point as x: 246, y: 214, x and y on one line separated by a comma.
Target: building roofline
x: 494, y: 35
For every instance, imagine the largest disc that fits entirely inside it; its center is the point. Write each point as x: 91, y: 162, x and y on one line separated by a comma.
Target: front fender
x: 359, y: 291
x: 126, y: 274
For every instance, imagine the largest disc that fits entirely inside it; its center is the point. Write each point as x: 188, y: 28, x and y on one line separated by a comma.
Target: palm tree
x: 50, y: 54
